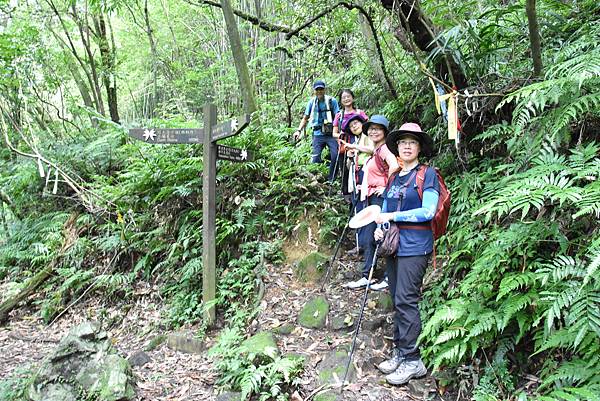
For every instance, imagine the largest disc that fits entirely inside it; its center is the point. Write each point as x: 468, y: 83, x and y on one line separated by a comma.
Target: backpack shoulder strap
x: 421, y: 179
x: 389, y: 183
x: 328, y: 103
x: 313, y: 105
x: 341, y: 120
x: 379, y: 161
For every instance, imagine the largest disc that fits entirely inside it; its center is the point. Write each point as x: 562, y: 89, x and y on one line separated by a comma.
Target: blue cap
x: 377, y: 119
x: 319, y: 84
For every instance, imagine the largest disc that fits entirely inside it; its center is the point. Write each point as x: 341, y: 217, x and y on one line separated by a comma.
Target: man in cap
x: 318, y: 115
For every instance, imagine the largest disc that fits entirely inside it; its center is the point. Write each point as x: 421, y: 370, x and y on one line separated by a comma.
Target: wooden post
x: 208, y: 137
x: 209, y: 252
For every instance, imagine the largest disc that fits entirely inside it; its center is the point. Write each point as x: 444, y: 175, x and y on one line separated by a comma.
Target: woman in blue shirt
x: 403, y: 206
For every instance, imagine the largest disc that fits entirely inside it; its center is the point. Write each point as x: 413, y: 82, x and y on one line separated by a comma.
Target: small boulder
x: 373, y: 323
x: 338, y: 323
x: 83, y: 365
x: 285, y: 329
x: 55, y: 392
x: 310, y: 267
x: 262, y: 343
x: 314, y: 313
x: 139, y: 358
x: 421, y: 388
x: 333, y: 367
x: 185, y: 342
x: 384, y: 302
x: 229, y: 396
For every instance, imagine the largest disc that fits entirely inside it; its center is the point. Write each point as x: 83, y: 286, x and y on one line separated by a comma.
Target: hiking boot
x: 406, y: 371
x: 354, y: 252
x: 380, y: 286
x: 358, y: 284
x: 391, y: 364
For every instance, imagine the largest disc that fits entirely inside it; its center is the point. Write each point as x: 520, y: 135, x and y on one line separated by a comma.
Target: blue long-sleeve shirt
x: 413, y: 211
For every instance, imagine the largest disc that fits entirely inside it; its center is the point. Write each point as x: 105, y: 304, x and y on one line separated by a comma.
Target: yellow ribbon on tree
x: 452, y: 115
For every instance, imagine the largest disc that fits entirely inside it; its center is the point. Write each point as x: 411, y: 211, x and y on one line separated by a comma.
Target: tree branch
x: 361, y: 10
x: 86, y: 196
x: 266, y: 26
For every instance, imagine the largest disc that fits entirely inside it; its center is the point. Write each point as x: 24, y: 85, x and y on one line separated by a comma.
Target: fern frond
x: 448, y: 313
x: 583, y: 66
x: 594, y: 256
x: 514, y: 304
x: 486, y: 322
x: 561, y: 268
x: 570, y: 373
x: 590, y: 202
x: 450, y: 334
x: 453, y: 353
x: 572, y: 111
x: 584, y: 315
x: 559, y: 302
x: 515, y: 281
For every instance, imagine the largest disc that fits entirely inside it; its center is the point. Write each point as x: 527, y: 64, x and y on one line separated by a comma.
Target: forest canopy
x: 85, y: 210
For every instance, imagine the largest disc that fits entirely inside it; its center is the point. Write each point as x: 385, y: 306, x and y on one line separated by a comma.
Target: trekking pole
x: 337, y: 247
x: 362, y: 312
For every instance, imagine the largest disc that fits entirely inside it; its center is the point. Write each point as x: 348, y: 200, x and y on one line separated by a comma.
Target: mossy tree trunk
x: 7, y: 306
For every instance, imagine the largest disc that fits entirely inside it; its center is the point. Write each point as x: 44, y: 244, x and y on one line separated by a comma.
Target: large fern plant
x: 568, y: 95
x: 526, y: 272
x: 523, y: 282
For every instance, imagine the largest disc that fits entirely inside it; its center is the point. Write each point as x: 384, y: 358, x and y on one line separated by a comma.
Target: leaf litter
x: 173, y: 375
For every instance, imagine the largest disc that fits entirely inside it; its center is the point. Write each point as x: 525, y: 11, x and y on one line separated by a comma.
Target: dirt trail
x: 173, y: 375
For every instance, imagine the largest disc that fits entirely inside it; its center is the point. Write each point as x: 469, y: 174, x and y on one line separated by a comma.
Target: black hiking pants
x: 405, y: 278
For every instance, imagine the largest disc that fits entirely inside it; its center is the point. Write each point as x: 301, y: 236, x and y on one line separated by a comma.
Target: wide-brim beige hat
x: 414, y: 130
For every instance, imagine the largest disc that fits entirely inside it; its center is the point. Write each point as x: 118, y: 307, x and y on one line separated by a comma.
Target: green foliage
x: 530, y: 273
x: 267, y: 375
x: 495, y: 384
x: 524, y: 241
x: 520, y: 280
x: 567, y: 96
x: 14, y: 388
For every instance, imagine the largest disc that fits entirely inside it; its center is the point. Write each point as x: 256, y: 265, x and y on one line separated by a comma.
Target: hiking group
x: 381, y: 167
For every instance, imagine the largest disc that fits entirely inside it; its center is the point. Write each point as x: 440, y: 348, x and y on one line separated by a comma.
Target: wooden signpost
x: 208, y: 137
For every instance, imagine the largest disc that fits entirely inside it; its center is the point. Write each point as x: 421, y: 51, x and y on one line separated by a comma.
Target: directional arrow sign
x: 206, y: 136
x: 230, y: 128
x: 168, y: 135
x: 233, y: 154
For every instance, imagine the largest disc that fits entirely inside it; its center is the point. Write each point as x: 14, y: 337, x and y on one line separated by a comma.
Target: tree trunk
x: 29, y: 289
x: 154, y: 52
x: 84, y: 91
x: 534, y: 37
x: 370, y: 39
x: 423, y: 33
x: 92, y: 81
x: 107, y: 56
x: 239, y: 58
x: 84, y: 32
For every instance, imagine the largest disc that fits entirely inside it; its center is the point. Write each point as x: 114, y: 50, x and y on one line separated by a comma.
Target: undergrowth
x: 266, y: 373
x: 522, y: 282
